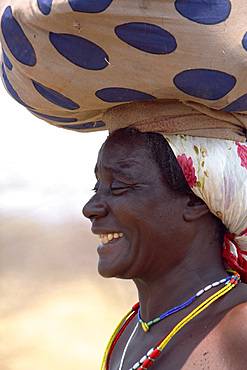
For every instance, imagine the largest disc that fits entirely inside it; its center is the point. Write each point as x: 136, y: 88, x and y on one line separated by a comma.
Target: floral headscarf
x: 216, y: 171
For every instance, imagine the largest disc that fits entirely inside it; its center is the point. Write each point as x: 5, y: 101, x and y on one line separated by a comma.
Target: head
x: 141, y: 207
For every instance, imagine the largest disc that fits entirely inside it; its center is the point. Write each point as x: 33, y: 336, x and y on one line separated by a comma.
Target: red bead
x: 233, y: 281
x: 147, y: 363
x: 155, y: 354
x: 136, y: 306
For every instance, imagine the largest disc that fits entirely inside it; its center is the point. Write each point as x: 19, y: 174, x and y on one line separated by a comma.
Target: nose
x: 96, y: 207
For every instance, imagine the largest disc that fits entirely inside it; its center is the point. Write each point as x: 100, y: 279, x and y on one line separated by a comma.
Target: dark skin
x: 170, y: 249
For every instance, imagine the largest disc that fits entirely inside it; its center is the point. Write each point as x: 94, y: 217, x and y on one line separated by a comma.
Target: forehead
x: 120, y: 154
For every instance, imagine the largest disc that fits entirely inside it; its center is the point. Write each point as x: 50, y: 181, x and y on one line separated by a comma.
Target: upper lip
x: 104, y: 231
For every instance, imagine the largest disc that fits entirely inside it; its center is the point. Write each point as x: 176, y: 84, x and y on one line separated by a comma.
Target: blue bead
x: 54, y: 118
x: 11, y: 90
x: 204, y: 11
x: 239, y: 105
x: 55, y: 97
x: 7, y: 61
x: 121, y: 95
x: 85, y: 126
x: 16, y: 40
x: 204, y: 83
x: 89, y: 6
x: 79, y: 51
x: 147, y: 37
x: 45, y: 6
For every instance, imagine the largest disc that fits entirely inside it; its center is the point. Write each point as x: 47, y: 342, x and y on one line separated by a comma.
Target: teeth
x: 106, y: 238
x: 110, y: 237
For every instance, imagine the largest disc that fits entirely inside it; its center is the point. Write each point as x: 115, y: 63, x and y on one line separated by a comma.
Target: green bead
x: 156, y: 320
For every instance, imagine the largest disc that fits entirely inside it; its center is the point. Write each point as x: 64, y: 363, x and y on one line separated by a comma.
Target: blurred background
x: 56, y: 312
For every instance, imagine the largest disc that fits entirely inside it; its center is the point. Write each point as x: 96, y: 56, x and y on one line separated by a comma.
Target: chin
x: 105, y: 270
x: 110, y: 272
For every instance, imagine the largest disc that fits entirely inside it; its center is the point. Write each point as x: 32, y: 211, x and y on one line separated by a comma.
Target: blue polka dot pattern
x: 205, y: 84
x: 80, y: 51
x: 55, y: 97
x: 11, y: 90
x: 239, y: 105
x: 16, y: 40
x: 147, y: 37
x: 7, y: 61
x: 54, y: 118
x: 85, y: 126
x: 204, y: 12
x: 45, y: 6
x: 121, y: 95
x: 89, y: 6
x: 244, y: 42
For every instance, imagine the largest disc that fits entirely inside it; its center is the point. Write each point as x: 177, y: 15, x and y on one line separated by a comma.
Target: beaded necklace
x: 147, y: 360
x: 146, y: 325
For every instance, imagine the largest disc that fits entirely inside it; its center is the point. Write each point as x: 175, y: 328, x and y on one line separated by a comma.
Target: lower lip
x: 106, y: 247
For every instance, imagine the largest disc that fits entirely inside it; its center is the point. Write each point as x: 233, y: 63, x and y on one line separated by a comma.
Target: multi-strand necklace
x: 148, y: 359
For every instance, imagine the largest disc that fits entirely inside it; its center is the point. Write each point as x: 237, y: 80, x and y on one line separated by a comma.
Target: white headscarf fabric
x: 216, y: 171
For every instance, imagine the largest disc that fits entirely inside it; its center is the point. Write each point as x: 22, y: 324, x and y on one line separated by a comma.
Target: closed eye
x: 119, y: 190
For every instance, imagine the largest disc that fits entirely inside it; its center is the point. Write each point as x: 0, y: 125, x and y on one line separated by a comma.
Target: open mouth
x: 107, y: 238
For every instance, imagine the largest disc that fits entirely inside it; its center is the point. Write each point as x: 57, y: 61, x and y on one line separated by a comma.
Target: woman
x: 155, y: 230
x: 150, y: 66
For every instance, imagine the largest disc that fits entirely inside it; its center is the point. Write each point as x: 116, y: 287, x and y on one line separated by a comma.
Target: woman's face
x: 137, y: 217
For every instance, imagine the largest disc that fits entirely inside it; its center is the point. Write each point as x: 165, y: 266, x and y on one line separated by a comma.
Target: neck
x: 173, y: 288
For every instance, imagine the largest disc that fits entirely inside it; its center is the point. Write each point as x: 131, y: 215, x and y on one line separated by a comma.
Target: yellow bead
x: 145, y: 327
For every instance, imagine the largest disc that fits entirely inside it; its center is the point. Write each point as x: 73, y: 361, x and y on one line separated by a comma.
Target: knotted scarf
x: 216, y: 171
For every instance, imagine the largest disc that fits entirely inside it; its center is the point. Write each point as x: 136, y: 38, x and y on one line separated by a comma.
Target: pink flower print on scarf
x: 242, y: 153
x: 186, y: 165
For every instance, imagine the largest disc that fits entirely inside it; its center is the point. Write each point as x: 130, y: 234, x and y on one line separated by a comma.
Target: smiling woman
x: 152, y: 228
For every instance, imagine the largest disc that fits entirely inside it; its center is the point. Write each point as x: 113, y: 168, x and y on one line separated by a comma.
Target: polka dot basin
x: 7, y: 61
x: 147, y: 37
x: 11, y: 90
x: 121, y: 95
x: 205, y: 84
x: 204, y: 12
x: 239, y: 105
x: 54, y: 118
x: 79, y: 51
x: 245, y: 41
x: 16, y: 40
x: 85, y: 126
x: 89, y: 6
x: 45, y: 6
x: 54, y: 97
x: 75, y: 59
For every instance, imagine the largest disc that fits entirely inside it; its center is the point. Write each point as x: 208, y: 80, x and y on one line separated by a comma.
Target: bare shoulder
x: 234, y: 324
x: 225, y: 345
x: 232, y: 335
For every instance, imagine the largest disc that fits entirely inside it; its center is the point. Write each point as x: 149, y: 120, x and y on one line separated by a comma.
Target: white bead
x: 207, y: 287
x: 143, y: 359
x: 199, y: 293
x: 136, y: 365
x: 216, y: 283
x: 222, y: 281
x: 150, y: 351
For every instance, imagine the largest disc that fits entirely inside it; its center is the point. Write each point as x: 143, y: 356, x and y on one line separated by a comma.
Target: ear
x: 195, y: 208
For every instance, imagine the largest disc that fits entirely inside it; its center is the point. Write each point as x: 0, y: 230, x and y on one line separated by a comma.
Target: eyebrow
x: 120, y: 166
